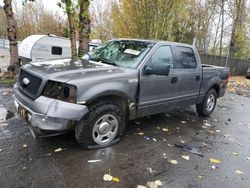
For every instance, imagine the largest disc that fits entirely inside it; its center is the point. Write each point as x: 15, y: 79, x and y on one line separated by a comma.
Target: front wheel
x: 103, y: 125
x: 207, y: 107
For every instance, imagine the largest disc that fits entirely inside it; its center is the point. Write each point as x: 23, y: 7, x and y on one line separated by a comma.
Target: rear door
x: 189, y: 74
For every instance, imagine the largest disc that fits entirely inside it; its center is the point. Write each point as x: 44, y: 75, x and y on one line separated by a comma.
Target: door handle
x: 174, y: 80
x: 198, y: 78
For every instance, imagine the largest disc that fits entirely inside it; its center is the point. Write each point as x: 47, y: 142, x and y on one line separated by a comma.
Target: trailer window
x: 56, y: 50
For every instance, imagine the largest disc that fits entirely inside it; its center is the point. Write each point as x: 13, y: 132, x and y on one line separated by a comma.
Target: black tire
x: 202, y: 108
x: 84, y: 128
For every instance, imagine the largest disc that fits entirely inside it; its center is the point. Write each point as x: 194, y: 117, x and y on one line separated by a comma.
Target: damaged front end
x: 53, y: 112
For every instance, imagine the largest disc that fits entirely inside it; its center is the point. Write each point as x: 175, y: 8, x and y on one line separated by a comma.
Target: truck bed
x: 211, y: 73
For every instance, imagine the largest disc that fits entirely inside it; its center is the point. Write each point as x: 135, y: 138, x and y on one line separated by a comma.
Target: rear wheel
x: 207, y: 107
x: 103, y: 125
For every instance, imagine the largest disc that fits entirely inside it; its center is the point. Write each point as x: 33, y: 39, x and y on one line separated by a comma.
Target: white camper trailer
x: 47, y: 47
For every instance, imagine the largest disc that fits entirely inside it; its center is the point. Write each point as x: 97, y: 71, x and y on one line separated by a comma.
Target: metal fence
x: 238, y: 67
x: 4, y: 43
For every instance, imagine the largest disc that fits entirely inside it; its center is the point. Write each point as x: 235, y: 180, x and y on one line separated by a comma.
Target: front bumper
x: 46, y: 116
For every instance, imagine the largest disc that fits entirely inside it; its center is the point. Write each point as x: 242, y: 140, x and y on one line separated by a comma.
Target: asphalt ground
x: 147, y: 151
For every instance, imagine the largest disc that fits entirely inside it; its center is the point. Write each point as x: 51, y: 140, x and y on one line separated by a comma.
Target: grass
x: 7, y: 82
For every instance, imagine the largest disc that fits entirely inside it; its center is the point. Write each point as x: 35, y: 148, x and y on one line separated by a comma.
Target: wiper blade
x: 106, y: 61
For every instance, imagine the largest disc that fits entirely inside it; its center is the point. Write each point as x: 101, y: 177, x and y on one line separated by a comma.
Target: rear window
x: 56, y: 50
x: 186, y: 58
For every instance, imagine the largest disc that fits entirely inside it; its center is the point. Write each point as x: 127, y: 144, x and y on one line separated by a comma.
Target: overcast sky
x: 48, y: 4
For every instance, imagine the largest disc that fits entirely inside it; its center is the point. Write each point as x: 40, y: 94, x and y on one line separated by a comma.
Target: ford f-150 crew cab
x: 122, y: 80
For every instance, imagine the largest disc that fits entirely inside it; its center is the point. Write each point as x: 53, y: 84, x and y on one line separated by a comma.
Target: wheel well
x: 122, y: 102
x: 217, y: 88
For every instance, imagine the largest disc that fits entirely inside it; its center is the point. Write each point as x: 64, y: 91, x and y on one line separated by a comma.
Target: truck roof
x: 152, y: 41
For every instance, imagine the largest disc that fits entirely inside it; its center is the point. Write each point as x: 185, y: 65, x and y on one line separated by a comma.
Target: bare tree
x: 222, y: 25
x: 12, y: 33
x: 70, y: 11
x: 239, y: 11
x: 84, y: 27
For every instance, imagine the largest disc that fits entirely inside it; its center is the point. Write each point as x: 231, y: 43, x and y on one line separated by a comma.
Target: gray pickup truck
x: 123, y: 80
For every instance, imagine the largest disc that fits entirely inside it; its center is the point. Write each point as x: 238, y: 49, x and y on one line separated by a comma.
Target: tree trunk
x: 222, y: 26
x: 72, y: 30
x: 84, y: 27
x: 11, y: 30
x: 237, y: 23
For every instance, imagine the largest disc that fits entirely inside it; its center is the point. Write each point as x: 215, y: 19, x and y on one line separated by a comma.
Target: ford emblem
x: 26, y: 81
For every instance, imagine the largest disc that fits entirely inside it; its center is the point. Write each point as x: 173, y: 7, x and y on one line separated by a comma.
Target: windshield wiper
x: 106, y: 61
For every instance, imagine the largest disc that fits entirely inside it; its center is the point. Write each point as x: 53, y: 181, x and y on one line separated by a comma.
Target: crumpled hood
x: 62, y: 70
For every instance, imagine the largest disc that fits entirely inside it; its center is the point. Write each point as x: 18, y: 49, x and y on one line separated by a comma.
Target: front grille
x: 34, y: 82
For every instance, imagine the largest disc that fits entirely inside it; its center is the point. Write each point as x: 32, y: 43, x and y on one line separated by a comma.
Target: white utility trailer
x: 47, y: 47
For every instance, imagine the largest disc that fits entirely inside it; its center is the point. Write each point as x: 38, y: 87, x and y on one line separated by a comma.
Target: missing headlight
x: 60, y: 91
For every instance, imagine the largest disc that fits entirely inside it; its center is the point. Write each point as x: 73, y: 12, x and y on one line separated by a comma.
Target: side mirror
x: 157, y: 69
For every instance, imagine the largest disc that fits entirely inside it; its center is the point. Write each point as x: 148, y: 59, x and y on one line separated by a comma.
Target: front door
x: 157, y: 93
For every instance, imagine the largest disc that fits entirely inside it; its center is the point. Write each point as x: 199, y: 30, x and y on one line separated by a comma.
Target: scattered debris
x: 165, y: 129
x: 107, y: 177
x: 229, y: 119
x: 58, y: 150
x: 178, y: 128
x: 215, y: 120
x: 164, y: 155
x: 24, y: 145
x: 170, y: 145
x: 116, y: 180
x: 183, y: 122
x: 140, y: 186
x: 141, y: 133
x: 214, y: 167
x: 186, y: 157
x: 211, y: 132
x: 151, y: 170
x: 227, y: 135
x: 235, y: 154
x: 158, y: 128
x: 4, y: 124
x: 189, y: 149
x: 48, y: 154
x: 215, y: 161
x: 158, y: 183
x: 1, y: 150
x: 154, y: 139
x: 151, y: 184
x: 175, y: 162
x: 24, y: 168
x: 204, y: 144
x: 183, y: 142
x: 239, y: 172
x: 137, y: 122
x: 168, y: 115
x: 200, y: 177
x: 218, y: 131
x: 146, y: 138
x: 207, y: 124
x: 94, y: 161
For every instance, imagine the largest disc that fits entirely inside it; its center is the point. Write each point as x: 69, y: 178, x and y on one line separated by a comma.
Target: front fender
x: 107, y: 89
